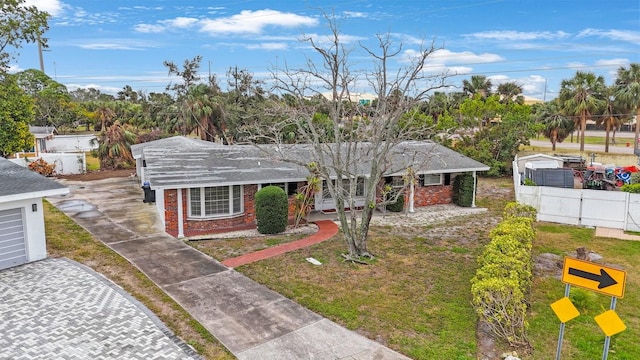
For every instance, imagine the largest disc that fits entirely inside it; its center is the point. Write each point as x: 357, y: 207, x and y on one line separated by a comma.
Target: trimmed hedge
x: 505, y: 275
x: 463, y: 186
x: 272, y: 210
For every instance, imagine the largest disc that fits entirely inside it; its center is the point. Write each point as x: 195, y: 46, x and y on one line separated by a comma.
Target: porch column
x: 412, y: 193
x: 475, y: 183
x: 180, y: 216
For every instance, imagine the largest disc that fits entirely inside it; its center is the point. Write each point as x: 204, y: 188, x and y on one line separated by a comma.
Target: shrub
x: 501, y: 304
x: 272, y: 210
x: 635, y: 178
x: 514, y: 209
x: 42, y: 167
x: 398, y: 205
x: 631, y: 188
x: 505, y: 275
x: 463, y: 186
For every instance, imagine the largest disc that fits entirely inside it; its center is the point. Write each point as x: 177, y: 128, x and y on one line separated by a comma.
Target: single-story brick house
x: 22, y: 236
x: 204, y: 188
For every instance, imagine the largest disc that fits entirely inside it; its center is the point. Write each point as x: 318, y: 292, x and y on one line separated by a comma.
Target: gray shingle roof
x: 17, y: 182
x: 180, y: 162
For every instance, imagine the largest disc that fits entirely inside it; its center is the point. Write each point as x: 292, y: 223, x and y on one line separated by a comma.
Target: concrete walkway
x: 326, y: 230
x: 252, y: 321
x: 615, y: 234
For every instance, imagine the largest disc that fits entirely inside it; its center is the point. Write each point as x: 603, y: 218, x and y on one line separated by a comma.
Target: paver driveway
x: 58, y: 309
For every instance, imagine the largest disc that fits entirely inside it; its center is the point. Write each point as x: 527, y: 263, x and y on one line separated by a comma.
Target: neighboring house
x: 22, y: 236
x: 42, y: 134
x: 204, y: 188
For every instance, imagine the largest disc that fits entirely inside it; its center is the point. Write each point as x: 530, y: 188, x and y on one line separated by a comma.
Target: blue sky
x: 536, y: 43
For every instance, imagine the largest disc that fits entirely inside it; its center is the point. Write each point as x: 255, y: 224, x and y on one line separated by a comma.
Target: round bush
x: 397, y: 206
x: 272, y: 210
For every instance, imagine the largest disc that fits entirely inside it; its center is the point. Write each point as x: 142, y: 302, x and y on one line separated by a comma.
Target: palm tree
x: 114, y: 147
x: 557, y: 126
x: 479, y: 84
x: 510, y: 92
x: 205, y: 112
x: 628, y: 93
x: 582, y: 96
x: 611, y: 114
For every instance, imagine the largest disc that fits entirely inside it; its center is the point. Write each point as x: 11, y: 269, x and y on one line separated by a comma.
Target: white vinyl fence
x: 612, y: 209
x: 66, y: 164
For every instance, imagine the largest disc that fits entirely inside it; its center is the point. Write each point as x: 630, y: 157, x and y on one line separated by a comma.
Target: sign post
x: 595, y: 277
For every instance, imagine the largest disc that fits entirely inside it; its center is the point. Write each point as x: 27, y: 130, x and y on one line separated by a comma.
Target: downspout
x: 180, y: 216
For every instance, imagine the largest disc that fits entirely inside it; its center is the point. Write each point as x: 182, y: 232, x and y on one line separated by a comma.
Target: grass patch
x: 67, y: 239
x: 93, y: 163
x: 222, y: 249
x: 413, y: 298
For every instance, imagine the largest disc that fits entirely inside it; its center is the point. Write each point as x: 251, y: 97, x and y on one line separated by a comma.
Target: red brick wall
x: 424, y: 196
x: 431, y: 195
x: 193, y: 227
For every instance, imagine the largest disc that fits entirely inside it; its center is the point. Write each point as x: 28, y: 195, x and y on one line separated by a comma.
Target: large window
x: 345, y: 185
x: 215, y: 201
x: 432, y: 179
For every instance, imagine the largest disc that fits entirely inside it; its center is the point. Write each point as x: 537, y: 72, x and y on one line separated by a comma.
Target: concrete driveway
x: 59, y: 309
x: 252, y: 321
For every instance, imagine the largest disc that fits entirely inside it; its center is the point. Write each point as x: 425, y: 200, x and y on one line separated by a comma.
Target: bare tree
x: 355, y: 145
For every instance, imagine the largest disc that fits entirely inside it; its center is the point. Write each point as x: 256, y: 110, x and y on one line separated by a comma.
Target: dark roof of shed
x: 18, y: 180
x: 181, y: 162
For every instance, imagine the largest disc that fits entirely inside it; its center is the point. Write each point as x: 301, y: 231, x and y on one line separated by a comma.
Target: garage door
x: 13, y: 249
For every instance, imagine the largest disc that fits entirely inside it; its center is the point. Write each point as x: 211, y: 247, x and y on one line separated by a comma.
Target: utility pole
x: 40, y: 54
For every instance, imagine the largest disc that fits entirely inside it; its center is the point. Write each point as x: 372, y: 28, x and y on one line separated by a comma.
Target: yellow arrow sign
x: 594, y: 277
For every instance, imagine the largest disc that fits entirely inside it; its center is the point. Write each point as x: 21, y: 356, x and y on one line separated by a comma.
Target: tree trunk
x: 607, y: 128
x: 583, y: 128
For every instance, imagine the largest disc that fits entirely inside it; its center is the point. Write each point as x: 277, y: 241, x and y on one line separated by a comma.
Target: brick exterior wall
x: 424, y: 196
x: 195, y: 227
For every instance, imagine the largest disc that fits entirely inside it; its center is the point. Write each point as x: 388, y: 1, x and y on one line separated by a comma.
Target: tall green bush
x: 504, y: 277
x: 463, y: 186
x: 272, y: 208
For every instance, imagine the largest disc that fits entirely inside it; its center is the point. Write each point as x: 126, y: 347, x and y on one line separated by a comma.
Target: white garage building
x: 22, y: 236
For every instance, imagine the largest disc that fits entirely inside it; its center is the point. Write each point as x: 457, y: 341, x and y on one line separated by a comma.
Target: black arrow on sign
x: 604, y: 278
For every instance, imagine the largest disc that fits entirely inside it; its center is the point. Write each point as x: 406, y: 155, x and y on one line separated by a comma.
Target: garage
x: 13, y: 248
x: 22, y: 232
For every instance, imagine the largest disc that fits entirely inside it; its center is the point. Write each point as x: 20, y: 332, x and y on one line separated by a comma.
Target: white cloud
x: 116, y: 44
x: 103, y: 89
x: 149, y: 28
x: 53, y: 7
x: 465, y: 57
x: 354, y: 14
x: 254, y: 22
x: 267, y: 46
x: 169, y: 24
x: 180, y: 22
x: 622, y: 35
x: 518, y: 35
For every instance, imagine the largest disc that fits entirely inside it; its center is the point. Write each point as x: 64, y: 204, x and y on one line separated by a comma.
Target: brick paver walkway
x: 326, y: 230
x: 58, y: 309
